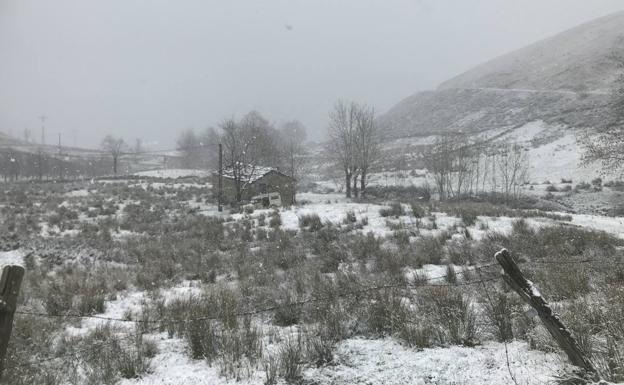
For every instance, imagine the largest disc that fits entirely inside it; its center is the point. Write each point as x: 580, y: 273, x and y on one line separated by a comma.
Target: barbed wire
x: 268, y: 309
x: 365, y: 290
x: 418, y: 283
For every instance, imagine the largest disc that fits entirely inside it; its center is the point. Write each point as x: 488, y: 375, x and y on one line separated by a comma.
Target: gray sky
x: 150, y: 68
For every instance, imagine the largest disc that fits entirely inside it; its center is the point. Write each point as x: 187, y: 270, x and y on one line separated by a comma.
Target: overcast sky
x: 150, y: 68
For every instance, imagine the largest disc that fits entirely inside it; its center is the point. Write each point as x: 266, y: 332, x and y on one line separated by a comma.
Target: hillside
x: 561, y: 80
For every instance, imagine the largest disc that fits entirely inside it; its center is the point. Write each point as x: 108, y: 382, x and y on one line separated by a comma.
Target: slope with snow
x: 173, y: 173
x: 564, y: 80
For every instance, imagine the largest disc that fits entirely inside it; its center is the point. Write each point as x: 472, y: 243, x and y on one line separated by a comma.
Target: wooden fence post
x: 9, y: 289
x: 529, y: 293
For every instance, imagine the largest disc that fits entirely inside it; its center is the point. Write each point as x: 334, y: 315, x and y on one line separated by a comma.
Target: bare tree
x: 292, y: 135
x: 438, y: 159
x: 137, y: 149
x: 342, y: 144
x: 246, y: 145
x: 188, y: 145
x: 367, y: 143
x: 209, y: 140
x: 513, y: 168
x: 115, y: 146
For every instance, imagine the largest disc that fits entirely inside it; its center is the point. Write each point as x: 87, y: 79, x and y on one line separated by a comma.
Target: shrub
x: 418, y: 211
x: 276, y: 219
x: 287, y: 313
x: 350, y: 217
x: 395, y: 210
x: 271, y: 370
x: 385, y: 313
x: 416, y: 336
x: 311, y: 222
x: 552, y: 188
x: 320, y: 348
x: 291, y: 359
x: 364, y: 247
x: 450, y: 276
x: 453, y: 315
x: 499, y: 309
x: 405, y: 193
x: 429, y: 249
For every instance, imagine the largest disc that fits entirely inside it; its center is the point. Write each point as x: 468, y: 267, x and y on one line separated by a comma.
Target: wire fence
x: 158, y: 323
x: 364, y: 290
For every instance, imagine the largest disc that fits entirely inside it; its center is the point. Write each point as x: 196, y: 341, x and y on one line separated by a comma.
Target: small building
x: 257, y: 183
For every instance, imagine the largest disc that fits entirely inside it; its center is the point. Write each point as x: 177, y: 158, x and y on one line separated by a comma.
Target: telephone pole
x: 220, y: 192
x: 60, y: 161
x: 43, y: 119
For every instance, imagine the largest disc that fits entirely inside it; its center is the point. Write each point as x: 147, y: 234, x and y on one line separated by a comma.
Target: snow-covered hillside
x: 561, y: 80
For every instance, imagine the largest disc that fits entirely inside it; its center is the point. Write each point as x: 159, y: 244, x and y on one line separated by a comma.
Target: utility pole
x: 60, y: 162
x: 43, y: 119
x: 220, y: 192
x: 40, y: 161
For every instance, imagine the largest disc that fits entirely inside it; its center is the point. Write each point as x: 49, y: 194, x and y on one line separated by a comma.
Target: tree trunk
x: 348, y: 184
x: 356, y: 192
x: 363, y: 184
x: 115, y: 165
x: 239, y: 195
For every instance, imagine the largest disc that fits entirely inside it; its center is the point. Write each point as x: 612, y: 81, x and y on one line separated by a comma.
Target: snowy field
x: 81, y: 241
x: 173, y: 173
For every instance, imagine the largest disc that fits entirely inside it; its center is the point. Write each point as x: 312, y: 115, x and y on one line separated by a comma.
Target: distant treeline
x: 22, y: 165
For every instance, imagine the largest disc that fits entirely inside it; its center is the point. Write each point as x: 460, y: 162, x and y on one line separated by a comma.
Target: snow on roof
x: 249, y: 173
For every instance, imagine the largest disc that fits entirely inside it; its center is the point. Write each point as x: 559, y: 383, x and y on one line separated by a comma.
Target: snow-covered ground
x: 386, y: 362
x: 173, y: 173
x: 375, y: 362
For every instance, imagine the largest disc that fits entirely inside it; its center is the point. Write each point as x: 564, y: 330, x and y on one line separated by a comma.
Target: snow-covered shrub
x: 385, y: 313
x: 288, y: 312
x: 291, y: 354
x: 261, y: 219
x: 310, y: 222
x: 418, y: 211
x: 275, y: 220
x: 552, y: 188
x: 461, y: 252
x: 563, y: 284
x: 417, y: 335
x: 319, y: 347
x: 450, y: 276
x: 282, y: 250
x: 350, y: 217
x: 430, y: 249
x: 395, y: 210
x: 452, y: 313
x: 364, y: 247
x: 323, y: 239
x: 402, y: 237
x: 500, y: 309
x: 332, y: 257
x: 108, y: 358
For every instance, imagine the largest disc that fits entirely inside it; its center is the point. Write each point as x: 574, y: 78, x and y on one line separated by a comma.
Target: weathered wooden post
x: 9, y: 290
x: 529, y: 293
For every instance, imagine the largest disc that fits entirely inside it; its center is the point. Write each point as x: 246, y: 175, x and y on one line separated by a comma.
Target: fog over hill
x: 562, y: 80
